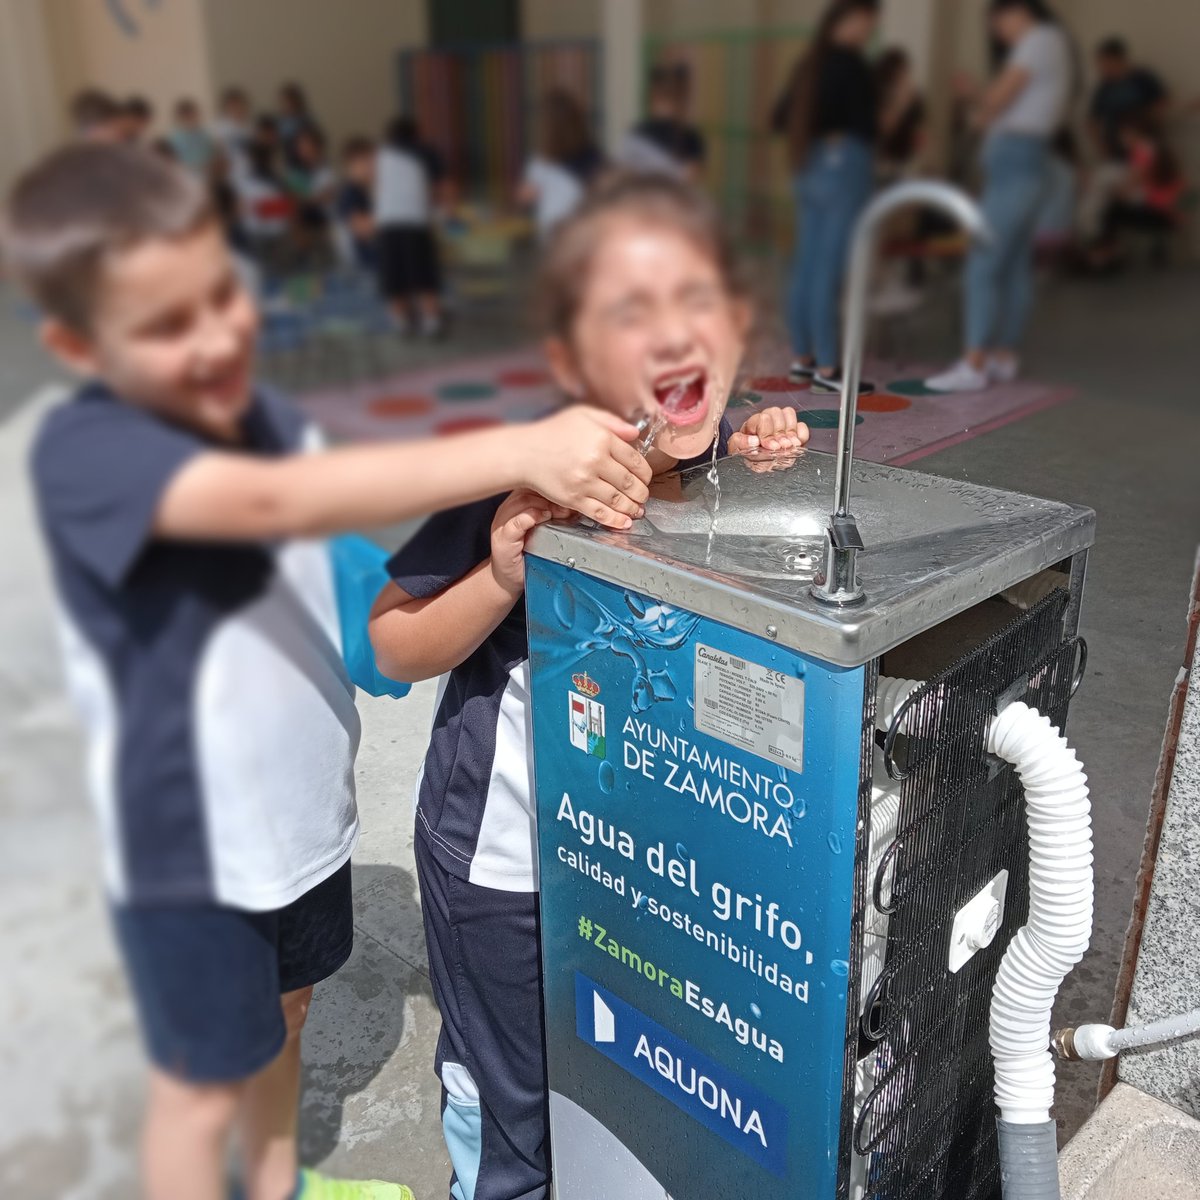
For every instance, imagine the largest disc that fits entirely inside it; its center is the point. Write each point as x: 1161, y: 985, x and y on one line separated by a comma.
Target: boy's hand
x: 516, y: 518
x: 773, y: 429
x: 583, y: 458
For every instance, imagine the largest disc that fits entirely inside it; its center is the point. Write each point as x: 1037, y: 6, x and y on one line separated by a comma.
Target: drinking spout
x: 839, y: 585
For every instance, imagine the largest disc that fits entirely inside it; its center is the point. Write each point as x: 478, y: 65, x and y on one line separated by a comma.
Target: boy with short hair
x: 202, y: 641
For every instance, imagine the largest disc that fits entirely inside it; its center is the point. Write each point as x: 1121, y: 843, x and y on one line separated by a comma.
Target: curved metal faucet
x: 840, y: 584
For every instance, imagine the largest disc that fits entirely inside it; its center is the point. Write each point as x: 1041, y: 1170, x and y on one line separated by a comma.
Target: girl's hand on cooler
x: 584, y: 458
x: 516, y: 518
x: 777, y: 430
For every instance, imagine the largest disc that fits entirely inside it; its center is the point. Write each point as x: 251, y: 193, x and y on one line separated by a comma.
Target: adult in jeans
x: 1020, y: 112
x: 830, y: 114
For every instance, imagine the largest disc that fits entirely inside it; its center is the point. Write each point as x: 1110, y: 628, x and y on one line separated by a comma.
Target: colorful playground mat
x: 900, y: 423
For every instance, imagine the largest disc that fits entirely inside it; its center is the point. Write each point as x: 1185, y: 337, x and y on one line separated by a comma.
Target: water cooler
x: 770, y: 930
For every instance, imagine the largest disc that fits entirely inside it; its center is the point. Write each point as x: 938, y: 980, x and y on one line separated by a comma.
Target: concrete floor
x: 68, y: 1051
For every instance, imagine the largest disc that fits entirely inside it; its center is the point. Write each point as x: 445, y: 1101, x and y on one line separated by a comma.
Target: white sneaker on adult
x: 962, y: 377
x: 1003, y: 368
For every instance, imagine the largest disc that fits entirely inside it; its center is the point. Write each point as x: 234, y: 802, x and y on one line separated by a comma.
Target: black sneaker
x: 830, y: 384
x: 801, y: 372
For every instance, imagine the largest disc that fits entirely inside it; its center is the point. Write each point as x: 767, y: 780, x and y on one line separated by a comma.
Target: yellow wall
x: 344, y: 53
x: 166, y: 60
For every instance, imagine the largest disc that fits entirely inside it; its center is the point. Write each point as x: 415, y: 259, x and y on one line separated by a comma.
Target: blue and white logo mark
x: 721, y: 1101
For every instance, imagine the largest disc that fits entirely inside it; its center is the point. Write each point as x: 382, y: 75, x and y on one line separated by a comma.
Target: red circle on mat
x: 400, y: 406
x: 883, y: 403
x: 465, y: 425
x: 775, y: 383
x: 523, y: 377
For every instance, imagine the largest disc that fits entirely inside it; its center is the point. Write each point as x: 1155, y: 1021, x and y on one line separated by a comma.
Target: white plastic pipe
x: 1059, y: 928
x: 890, y: 696
x: 1057, y: 933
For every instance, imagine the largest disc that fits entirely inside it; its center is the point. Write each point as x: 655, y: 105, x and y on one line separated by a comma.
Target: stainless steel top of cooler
x: 934, y: 547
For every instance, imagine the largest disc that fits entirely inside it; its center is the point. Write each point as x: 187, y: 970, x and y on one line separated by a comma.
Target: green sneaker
x: 320, y: 1187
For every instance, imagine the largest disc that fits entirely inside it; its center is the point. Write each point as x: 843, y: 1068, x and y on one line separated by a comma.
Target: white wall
x: 30, y: 113
x: 342, y: 51
x: 165, y: 59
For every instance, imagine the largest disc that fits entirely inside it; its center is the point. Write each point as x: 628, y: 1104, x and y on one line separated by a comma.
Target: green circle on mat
x: 744, y: 399
x: 467, y: 390
x: 911, y: 387
x: 822, y: 418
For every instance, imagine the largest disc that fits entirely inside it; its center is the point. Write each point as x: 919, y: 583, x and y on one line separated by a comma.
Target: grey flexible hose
x: 1028, y: 1161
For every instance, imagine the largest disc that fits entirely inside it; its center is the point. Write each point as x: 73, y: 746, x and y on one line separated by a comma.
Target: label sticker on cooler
x: 750, y: 706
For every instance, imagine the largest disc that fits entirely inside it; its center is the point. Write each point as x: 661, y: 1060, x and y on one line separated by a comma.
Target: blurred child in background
x: 644, y: 315
x: 266, y: 208
x: 665, y: 140
x: 1150, y: 196
x: 234, y: 128
x: 294, y: 113
x: 193, y: 146
x: 354, y: 205
x: 180, y: 504
x: 407, y: 175
x: 310, y: 181
x: 556, y: 178
x: 96, y: 116
x: 137, y: 116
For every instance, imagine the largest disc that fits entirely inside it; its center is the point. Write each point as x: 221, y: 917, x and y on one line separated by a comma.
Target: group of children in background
x: 285, y: 206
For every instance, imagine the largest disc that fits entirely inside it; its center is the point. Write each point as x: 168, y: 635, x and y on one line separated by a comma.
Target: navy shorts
x: 207, y: 979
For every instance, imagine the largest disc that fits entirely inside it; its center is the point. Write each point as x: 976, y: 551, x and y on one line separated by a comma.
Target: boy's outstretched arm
x: 580, y: 458
x: 417, y: 639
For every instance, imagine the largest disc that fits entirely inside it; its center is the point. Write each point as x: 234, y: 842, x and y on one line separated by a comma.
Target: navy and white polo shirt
x: 221, y: 722
x: 475, y: 805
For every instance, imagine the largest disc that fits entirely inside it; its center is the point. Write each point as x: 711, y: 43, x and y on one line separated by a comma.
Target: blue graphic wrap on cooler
x: 697, y: 809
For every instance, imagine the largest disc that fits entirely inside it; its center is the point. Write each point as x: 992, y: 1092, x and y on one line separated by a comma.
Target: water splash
x: 840, y: 967
x: 714, y: 478
x: 606, y: 777
x: 756, y: 1011
x: 835, y: 843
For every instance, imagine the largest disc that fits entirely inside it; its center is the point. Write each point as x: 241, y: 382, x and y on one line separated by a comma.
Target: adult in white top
x: 1019, y: 113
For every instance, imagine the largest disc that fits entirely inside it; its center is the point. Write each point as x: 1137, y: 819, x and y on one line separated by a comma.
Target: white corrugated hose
x: 1047, y: 947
